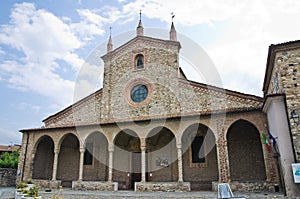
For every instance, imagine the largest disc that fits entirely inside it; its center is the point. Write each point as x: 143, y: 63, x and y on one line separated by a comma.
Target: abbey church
x: 151, y: 129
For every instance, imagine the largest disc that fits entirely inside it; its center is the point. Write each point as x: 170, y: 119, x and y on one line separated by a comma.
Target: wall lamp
x: 295, y: 116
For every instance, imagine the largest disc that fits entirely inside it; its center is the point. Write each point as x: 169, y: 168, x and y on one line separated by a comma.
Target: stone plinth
x: 163, y: 186
x: 247, y: 186
x: 47, y: 184
x: 95, y: 185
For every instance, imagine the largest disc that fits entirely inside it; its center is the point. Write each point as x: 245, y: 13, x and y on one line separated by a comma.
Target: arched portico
x: 127, y: 159
x: 95, y: 163
x: 200, y: 165
x: 68, y: 160
x: 245, y: 153
x: 162, y: 165
x: 43, y: 159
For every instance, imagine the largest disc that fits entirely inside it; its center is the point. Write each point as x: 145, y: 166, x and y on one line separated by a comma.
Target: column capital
x: 143, y: 142
x: 111, y: 148
x: 179, y: 146
x: 81, y: 149
x: 56, y: 151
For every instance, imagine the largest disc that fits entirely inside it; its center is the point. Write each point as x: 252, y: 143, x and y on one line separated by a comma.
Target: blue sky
x: 43, y: 45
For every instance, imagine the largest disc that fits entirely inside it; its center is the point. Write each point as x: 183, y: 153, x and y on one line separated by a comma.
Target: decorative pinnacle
x: 140, y: 15
x: 173, y: 15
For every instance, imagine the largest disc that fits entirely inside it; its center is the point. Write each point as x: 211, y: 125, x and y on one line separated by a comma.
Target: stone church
x: 151, y: 129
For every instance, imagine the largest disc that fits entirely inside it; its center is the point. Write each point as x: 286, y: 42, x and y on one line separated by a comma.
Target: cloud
x: 46, y: 45
x: 240, y: 52
x: 8, y: 137
x: 28, y: 106
x: 189, y: 12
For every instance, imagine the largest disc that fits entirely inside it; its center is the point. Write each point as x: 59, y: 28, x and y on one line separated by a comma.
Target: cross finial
x: 110, y: 30
x: 173, y: 15
x: 140, y: 15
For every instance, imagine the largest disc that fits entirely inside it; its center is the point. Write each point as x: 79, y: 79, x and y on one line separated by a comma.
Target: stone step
x: 71, y: 194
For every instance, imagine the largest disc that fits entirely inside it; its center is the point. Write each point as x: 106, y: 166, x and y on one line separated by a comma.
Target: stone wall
x: 248, y: 186
x: 93, y: 185
x: 160, y: 74
x: 286, y: 79
x: 163, y: 186
x: 47, y: 184
x: 8, y: 177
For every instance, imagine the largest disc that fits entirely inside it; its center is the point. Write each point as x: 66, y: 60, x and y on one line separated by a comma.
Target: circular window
x: 139, y: 93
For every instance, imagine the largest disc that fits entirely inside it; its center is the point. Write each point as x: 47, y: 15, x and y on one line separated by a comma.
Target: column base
x: 163, y: 186
x: 95, y: 185
x: 47, y: 184
x: 247, y: 186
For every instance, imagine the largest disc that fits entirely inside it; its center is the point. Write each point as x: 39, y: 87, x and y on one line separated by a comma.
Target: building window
x: 139, y: 93
x: 139, y: 61
x: 197, y: 153
x: 88, y: 154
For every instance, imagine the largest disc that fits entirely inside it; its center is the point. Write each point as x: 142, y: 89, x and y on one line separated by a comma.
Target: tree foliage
x: 9, y: 160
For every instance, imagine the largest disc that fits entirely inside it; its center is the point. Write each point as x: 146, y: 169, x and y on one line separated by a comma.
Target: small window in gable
x: 139, y: 61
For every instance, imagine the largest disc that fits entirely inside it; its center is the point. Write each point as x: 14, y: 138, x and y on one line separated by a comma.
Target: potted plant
x: 21, y: 187
x: 30, y: 183
x: 33, y: 193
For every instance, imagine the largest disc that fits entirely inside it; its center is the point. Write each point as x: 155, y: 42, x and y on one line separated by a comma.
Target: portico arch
x: 43, y: 159
x: 68, y: 160
x: 161, y: 155
x: 200, y: 165
x: 127, y: 159
x: 246, y: 160
x: 95, y: 164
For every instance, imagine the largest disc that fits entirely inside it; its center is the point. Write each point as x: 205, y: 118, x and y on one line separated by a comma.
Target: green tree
x: 9, y: 160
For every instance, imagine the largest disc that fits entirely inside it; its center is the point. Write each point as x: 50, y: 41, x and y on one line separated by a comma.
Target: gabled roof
x: 273, y: 49
x: 242, y: 102
x: 140, y: 39
x: 69, y: 109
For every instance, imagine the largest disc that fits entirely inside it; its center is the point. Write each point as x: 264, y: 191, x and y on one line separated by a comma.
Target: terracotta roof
x: 202, y: 113
x: 225, y: 91
x: 75, y: 104
x: 9, y: 148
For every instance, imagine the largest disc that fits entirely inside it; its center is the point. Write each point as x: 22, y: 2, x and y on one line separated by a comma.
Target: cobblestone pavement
x: 7, y: 193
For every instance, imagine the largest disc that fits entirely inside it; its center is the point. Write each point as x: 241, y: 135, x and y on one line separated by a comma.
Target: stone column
x: 143, y: 159
x: 223, y: 162
x: 82, y: 150
x: 179, y: 160
x: 110, y: 162
x: 55, y: 161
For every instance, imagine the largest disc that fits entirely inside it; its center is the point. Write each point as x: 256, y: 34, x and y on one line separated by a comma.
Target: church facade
x: 151, y: 129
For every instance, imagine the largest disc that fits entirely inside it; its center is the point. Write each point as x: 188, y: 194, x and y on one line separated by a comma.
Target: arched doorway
x: 199, y: 157
x: 127, y: 159
x: 246, y: 160
x: 95, y: 158
x: 68, y: 160
x: 162, y: 165
x: 43, y: 159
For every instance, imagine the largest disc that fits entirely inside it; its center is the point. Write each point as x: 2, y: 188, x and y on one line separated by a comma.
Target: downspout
x: 25, y: 154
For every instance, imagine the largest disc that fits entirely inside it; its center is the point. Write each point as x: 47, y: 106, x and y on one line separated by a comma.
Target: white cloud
x: 28, y: 106
x: 242, y: 49
x: 240, y: 52
x: 45, y: 42
x: 189, y: 12
x: 8, y: 137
